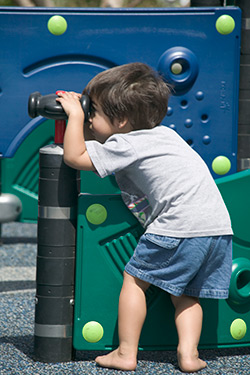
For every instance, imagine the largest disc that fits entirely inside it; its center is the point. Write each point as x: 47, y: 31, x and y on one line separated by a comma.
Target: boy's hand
x: 75, y: 151
x: 70, y: 102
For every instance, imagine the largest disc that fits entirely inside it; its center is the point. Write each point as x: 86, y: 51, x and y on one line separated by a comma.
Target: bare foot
x: 117, y: 360
x: 190, y: 363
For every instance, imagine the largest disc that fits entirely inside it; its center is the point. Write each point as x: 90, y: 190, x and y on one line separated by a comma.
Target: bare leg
x: 131, y: 316
x: 188, y: 320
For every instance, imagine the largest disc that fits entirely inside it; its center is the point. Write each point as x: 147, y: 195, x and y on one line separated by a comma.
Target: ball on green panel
x: 92, y: 331
x: 238, y: 329
x: 57, y: 25
x: 96, y: 214
x: 221, y: 165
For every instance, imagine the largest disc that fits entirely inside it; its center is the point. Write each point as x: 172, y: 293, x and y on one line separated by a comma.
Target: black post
x: 58, y: 192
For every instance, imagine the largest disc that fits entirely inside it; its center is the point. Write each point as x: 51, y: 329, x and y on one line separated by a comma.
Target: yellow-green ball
x: 238, y: 329
x: 57, y: 25
x: 92, y: 331
x: 96, y: 214
x: 176, y: 68
x: 221, y: 165
x: 225, y: 24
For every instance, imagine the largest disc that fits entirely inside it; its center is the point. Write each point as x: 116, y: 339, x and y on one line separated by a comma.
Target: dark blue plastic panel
x: 204, y: 108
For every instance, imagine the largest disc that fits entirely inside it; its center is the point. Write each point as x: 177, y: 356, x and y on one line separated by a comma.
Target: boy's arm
x: 75, y: 151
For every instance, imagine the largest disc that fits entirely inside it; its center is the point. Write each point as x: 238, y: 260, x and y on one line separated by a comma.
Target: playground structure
x: 198, y: 51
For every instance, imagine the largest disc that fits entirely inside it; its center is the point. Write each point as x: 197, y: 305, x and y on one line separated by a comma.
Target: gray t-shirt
x: 164, y: 182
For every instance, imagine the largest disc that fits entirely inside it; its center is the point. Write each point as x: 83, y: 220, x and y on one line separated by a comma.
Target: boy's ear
x: 122, y: 123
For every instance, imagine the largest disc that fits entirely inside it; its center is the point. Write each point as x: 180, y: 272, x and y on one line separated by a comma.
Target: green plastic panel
x: 104, y: 249
x: 20, y: 174
x: 93, y: 184
x: 102, y: 252
x: 235, y: 190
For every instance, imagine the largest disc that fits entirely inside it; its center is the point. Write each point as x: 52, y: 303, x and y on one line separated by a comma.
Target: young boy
x: 186, y: 249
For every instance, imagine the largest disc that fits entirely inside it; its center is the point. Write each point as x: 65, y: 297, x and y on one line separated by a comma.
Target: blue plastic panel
x: 204, y: 107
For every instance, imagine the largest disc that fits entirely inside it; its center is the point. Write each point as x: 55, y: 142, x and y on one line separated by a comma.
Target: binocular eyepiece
x: 47, y: 106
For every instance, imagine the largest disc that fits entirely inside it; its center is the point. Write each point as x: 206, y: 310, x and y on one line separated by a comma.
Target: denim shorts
x: 198, y: 267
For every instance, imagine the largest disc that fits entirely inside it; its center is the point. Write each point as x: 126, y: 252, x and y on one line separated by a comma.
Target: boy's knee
x: 183, y: 300
x: 141, y: 283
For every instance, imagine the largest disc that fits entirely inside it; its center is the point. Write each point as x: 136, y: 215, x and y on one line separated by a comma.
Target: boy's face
x: 100, y: 124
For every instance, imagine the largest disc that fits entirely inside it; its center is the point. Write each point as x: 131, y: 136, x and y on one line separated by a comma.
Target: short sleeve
x: 113, y: 156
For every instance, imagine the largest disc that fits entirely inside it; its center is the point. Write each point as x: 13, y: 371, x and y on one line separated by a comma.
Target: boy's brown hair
x: 134, y: 92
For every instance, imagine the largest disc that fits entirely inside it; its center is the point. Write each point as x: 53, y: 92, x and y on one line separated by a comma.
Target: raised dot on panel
x: 170, y: 111
x: 206, y: 139
x: 172, y: 126
x: 199, y: 95
x: 188, y: 123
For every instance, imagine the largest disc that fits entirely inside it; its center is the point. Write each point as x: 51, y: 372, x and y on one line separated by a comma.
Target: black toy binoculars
x: 47, y: 106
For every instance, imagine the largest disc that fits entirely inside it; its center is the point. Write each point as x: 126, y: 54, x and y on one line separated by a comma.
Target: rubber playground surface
x: 17, y: 303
